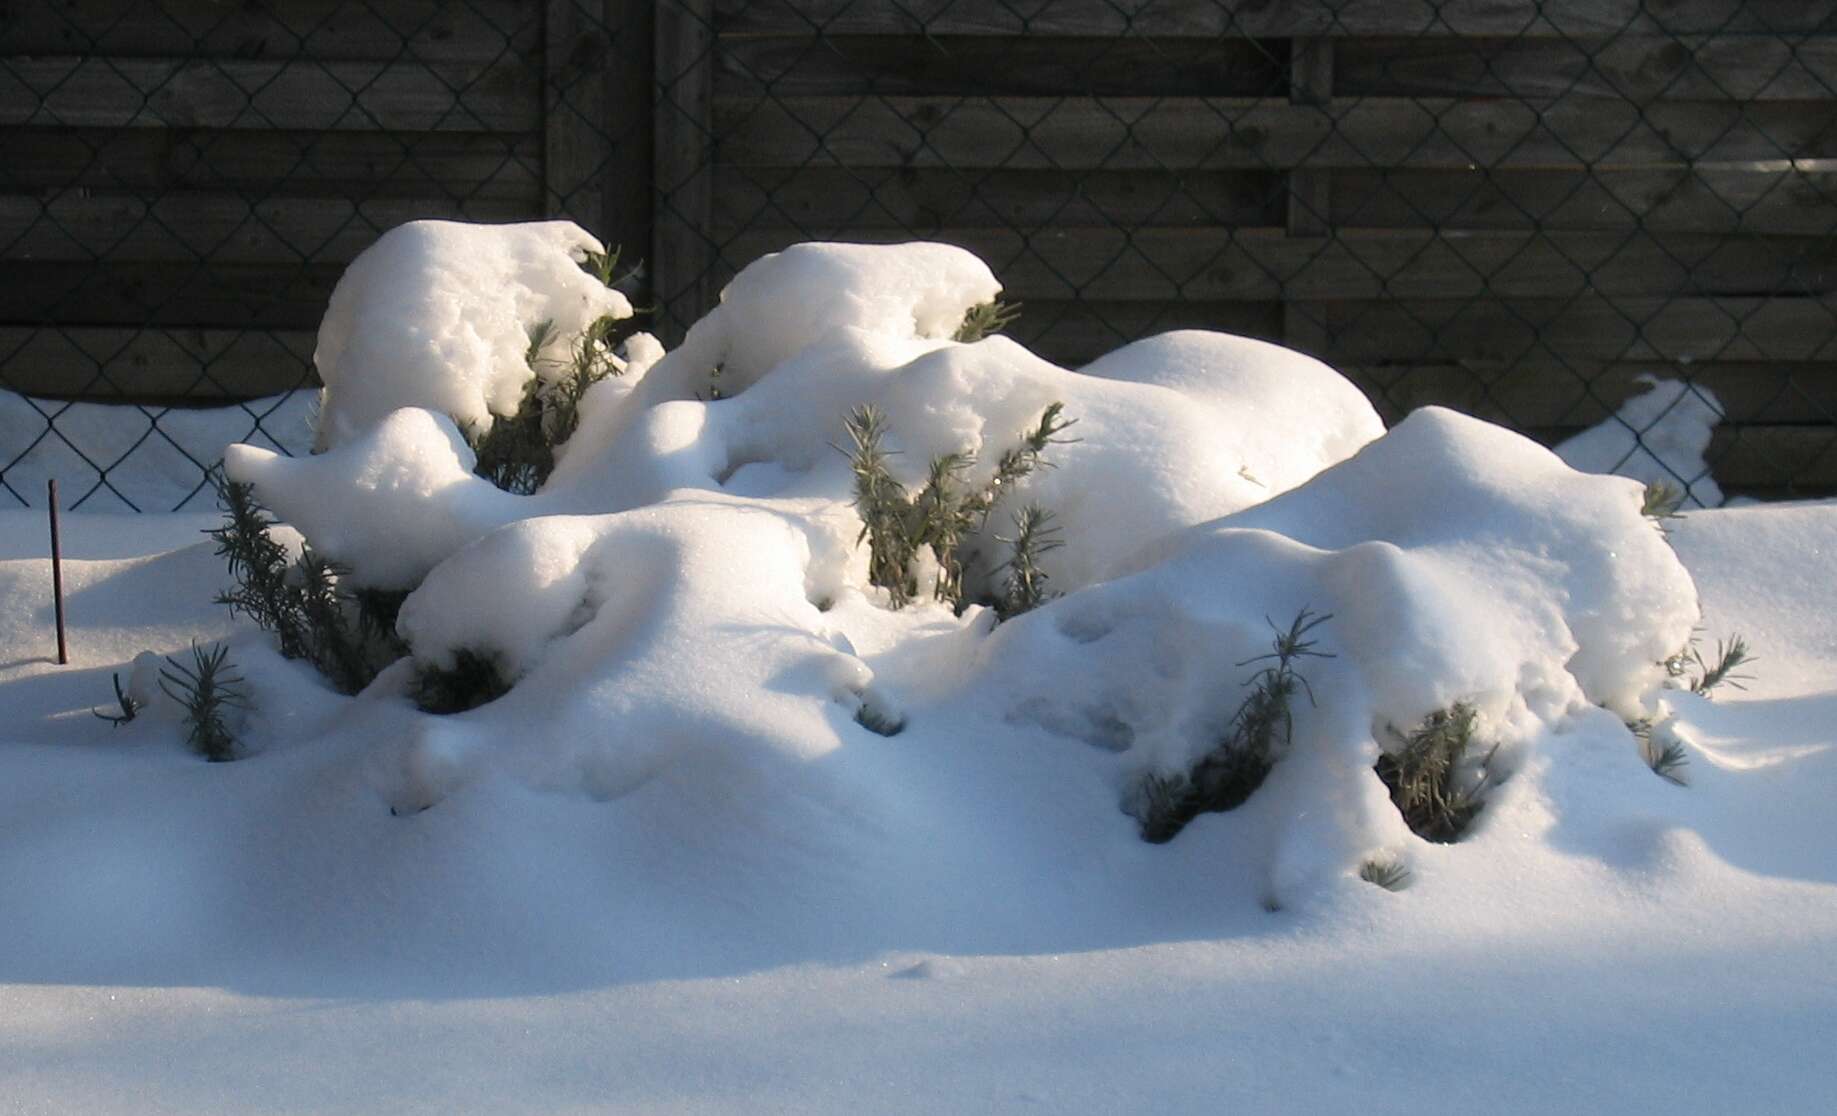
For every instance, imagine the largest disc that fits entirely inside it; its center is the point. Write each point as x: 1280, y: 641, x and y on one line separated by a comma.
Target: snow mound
x: 784, y: 301
x: 686, y: 602
x: 1288, y: 413
x: 397, y: 512
x: 1452, y: 562
x: 1169, y: 432
x: 440, y: 314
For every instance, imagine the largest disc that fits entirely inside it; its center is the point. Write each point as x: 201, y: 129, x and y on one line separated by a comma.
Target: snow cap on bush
x: 1460, y: 563
x: 439, y: 314
x: 387, y: 505
x: 782, y: 302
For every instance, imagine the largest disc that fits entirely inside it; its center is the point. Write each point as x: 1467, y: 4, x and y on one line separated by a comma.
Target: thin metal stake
x: 57, y: 577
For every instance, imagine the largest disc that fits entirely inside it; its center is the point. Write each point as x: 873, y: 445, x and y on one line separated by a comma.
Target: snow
x: 441, y: 314
x: 400, y: 473
x: 669, y: 870
x: 1659, y: 436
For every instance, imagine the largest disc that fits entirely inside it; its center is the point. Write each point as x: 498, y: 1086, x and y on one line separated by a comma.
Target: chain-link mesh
x: 1525, y: 210
x: 184, y: 181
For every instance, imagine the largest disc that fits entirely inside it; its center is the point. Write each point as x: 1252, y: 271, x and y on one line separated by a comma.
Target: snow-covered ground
x: 672, y: 870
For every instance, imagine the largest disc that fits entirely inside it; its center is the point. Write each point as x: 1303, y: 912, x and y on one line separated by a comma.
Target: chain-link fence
x: 185, y: 180
x: 1528, y: 211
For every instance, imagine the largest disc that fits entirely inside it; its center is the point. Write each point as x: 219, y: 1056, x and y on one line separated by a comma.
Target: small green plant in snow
x: 1260, y: 732
x: 130, y: 708
x: 1024, y: 582
x: 303, y: 601
x: 899, y: 526
x: 1425, y: 774
x: 987, y: 318
x: 475, y: 678
x: 1663, y: 500
x: 1730, y: 656
x: 1391, y: 875
x: 1660, y: 747
x: 209, y: 690
x: 517, y: 451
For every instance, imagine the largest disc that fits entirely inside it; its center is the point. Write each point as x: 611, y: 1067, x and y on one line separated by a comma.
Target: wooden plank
x: 1310, y: 191
x: 94, y: 92
x: 330, y: 30
x: 476, y: 167
x: 1802, y: 460
x: 1340, y: 18
x: 1213, y: 264
x: 229, y: 296
x: 1504, y: 332
x: 629, y: 123
x: 1785, y: 462
x: 1784, y: 200
x: 135, y: 364
x: 1183, y: 133
x: 1764, y: 458
x: 1578, y: 393
x: 1633, y: 67
x: 1304, y: 330
x: 809, y: 65
x: 576, y: 155
x: 1770, y: 493
x: 78, y: 225
x: 825, y: 202
x: 683, y: 258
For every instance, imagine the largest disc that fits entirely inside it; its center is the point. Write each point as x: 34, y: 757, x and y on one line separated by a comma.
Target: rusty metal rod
x: 57, y: 576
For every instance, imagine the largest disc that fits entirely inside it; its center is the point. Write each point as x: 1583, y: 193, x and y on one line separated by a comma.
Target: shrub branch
x: 946, y: 511
x: 1423, y: 771
x: 208, y: 690
x: 1260, y: 732
x: 303, y: 602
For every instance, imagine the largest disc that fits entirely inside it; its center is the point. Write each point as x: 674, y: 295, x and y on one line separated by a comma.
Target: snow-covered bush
x: 1259, y: 733
x: 440, y: 315
x: 301, y: 598
x: 903, y: 530
x: 690, y: 601
x: 1433, y: 775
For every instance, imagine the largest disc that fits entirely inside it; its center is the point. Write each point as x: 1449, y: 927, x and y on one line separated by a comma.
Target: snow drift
x: 688, y: 593
x: 677, y: 865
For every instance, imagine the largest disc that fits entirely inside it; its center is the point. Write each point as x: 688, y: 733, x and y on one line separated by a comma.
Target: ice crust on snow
x: 684, y: 604
x: 440, y: 314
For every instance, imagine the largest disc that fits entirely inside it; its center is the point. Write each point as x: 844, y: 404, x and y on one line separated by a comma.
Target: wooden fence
x: 1514, y: 208
x: 184, y: 181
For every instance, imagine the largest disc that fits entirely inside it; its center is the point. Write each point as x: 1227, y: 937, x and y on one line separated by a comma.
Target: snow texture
x: 733, y: 515
x: 677, y: 862
x: 440, y: 314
